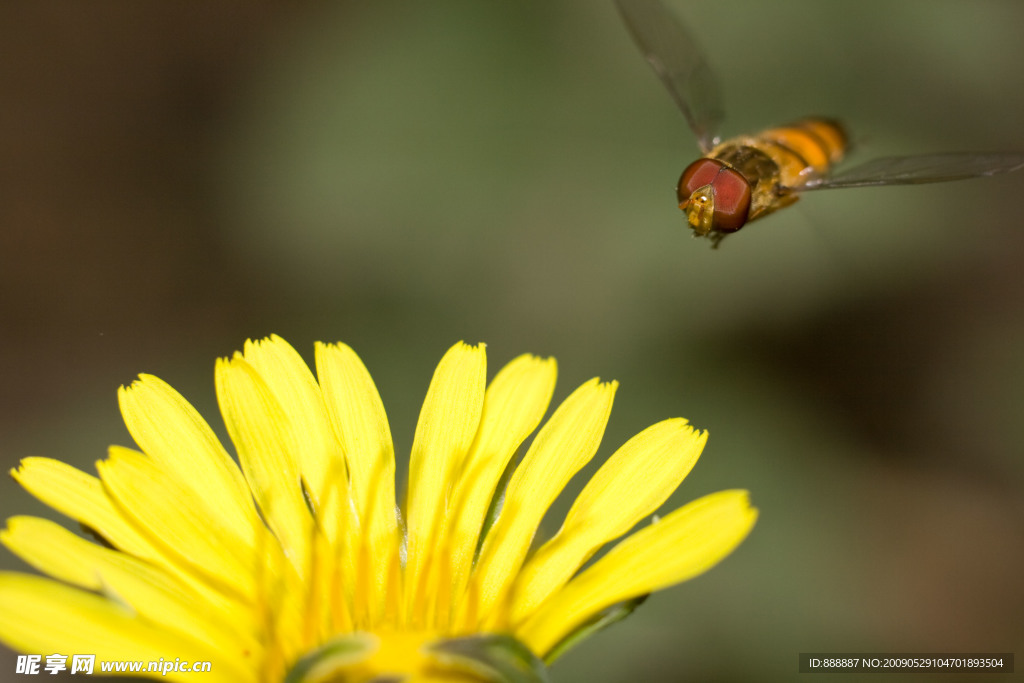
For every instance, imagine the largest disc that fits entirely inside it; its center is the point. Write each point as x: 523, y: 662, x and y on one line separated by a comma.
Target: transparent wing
x: 679, y: 62
x: 925, y: 168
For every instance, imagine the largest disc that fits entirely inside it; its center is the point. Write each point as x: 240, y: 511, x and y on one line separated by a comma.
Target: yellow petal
x: 169, y: 430
x: 292, y: 384
x: 319, y: 456
x: 447, y: 424
x: 514, y: 405
x: 173, y: 518
x: 41, y: 616
x: 565, y: 444
x: 638, y: 478
x: 149, y: 590
x: 680, y: 546
x: 361, y: 425
x: 267, y: 450
x: 81, y: 497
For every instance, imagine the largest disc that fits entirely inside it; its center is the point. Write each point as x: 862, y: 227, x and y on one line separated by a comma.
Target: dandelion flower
x: 296, y: 564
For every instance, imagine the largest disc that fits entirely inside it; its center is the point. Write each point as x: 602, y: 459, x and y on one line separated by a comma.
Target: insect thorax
x: 759, y: 168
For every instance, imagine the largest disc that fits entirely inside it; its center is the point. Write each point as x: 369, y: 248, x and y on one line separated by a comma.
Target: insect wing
x: 679, y: 62
x: 924, y: 168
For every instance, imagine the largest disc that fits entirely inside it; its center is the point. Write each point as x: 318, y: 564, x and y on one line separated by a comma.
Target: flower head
x: 295, y: 563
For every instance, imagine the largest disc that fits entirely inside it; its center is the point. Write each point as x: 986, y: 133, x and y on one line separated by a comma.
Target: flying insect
x: 744, y: 178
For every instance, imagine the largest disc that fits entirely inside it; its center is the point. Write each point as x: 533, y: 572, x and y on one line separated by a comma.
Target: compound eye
x: 732, y: 200
x: 698, y: 174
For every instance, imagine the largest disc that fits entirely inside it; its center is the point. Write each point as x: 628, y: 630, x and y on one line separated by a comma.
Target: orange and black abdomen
x: 809, y: 147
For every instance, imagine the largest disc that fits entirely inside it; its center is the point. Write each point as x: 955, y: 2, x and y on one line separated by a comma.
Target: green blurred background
x: 399, y: 176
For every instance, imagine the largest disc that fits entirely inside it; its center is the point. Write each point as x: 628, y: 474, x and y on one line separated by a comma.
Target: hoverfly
x: 744, y: 178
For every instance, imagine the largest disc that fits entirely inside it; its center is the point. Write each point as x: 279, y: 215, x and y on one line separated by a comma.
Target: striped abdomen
x: 809, y: 147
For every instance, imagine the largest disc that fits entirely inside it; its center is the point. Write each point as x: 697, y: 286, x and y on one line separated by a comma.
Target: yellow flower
x: 297, y: 566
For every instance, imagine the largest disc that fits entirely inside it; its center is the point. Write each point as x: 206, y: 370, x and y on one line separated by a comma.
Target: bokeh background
x: 399, y: 176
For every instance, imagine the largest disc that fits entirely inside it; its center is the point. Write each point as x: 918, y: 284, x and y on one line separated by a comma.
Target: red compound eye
x: 732, y: 200
x: 731, y: 192
x: 697, y: 175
